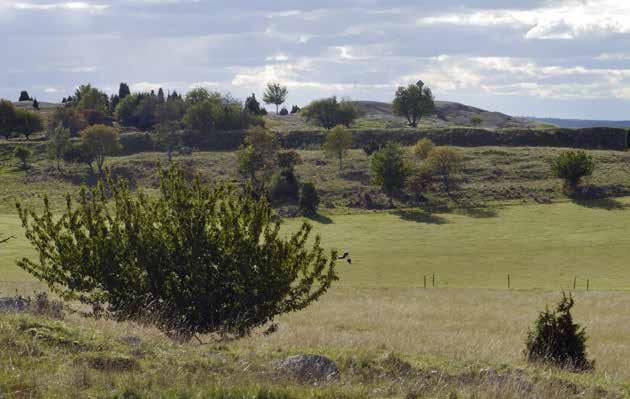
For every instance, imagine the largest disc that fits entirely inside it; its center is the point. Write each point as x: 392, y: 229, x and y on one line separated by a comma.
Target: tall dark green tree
x: 414, y: 102
x: 252, y: 105
x: 190, y: 260
x: 123, y: 90
x: 8, y: 118
x: 36, y: 104
x: 160, y: 95
x: 24, y: 96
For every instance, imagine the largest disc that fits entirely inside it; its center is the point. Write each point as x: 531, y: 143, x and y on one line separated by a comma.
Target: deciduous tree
x: 338, y: 142
x: 413, y: 102
x: 97, y: 143
x: 275, y: 94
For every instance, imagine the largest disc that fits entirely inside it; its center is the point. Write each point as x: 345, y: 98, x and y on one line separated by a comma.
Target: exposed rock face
x: 309, y: 368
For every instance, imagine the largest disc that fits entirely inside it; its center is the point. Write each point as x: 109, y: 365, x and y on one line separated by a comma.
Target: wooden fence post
x: 508, y: 281
x: 574, y: 282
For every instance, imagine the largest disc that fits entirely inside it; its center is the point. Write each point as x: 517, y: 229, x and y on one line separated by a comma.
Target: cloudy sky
x: 563, y: 58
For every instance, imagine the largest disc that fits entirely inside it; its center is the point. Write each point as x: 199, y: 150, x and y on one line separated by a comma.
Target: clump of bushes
x: 23, y: 154
x: 189, y: 260
x: 423, y: 148
x: 557, y: 340
x: 572, y: 167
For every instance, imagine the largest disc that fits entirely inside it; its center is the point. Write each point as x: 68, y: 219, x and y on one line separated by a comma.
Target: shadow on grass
x: 479, y: 213
x: 419, y: 216
x: 319, y: 218
x: 609, y: 204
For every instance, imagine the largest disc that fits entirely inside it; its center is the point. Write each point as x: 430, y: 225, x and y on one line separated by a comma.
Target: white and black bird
x: 346, y: 256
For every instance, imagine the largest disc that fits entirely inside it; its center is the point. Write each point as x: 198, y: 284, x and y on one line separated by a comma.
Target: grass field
x: 539, y: 246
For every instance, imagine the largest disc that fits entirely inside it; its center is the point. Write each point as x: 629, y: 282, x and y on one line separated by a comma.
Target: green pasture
x: 539, y: 246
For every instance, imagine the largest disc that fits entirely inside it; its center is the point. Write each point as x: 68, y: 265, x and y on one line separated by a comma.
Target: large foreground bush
x: 191, y: 259
x: 557, y: 340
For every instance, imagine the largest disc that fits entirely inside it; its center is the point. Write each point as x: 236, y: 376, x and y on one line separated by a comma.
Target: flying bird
x: 344, y: 256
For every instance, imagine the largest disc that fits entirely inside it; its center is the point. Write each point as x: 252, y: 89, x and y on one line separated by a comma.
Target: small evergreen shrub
x: 572, y: 166
x: 285, y: 186
x: 309, y: 199
x: 557, y: 340
x: 284, y: 111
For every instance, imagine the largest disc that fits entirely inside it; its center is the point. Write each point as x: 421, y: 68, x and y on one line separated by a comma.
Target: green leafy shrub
x: 190, y: 259
x: 572, y: 166
x: 23, y: 154
x: 444, y: 163
x: 309, y: 199
x: 390, y: 169
x: 557, y: 340
x: 285, y: 186
x: 423, y: 148
x: 329, y: 112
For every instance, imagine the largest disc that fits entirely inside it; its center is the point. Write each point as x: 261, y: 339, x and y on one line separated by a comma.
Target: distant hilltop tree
x: 36, y: 104
x: 414, y: 102
x: 24, y: 96
x: 328, y: 112
x: 276, y: 94
x: 252, y: 105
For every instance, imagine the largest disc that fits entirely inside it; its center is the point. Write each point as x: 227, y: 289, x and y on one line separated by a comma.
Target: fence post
x: 574, y: 282
x: 508, y: 281
x: 425, y: 281
x: 587, y: 284
x: 434, y: 281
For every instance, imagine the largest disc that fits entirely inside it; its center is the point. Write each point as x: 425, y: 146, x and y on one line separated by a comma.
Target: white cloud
x: 76, y: 5
x: 52, y: 90
x: 280, y: 57
x: 79, y: 69
x: 567, y: 19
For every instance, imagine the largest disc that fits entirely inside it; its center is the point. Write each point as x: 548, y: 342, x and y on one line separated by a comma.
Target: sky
x: 546, y: 58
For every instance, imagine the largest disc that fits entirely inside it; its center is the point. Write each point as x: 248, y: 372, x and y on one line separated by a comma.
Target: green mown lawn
x: 540, y: 246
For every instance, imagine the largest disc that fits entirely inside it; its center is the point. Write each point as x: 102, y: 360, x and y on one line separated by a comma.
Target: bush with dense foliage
x: 24, y: 96
x: 27, y: 122
x: 372, y: 146
x: 390, y: 169
x: 309, y: 199
x: 423, y: 148
x: 572, y: 167
x: 23, y: 154
x: 338, y: 142
x: 190, y: 260
x: 97, y: 143
x: 444, y: 163
x: 284, y: 111
x: 556, y: 339
x: 8, y: 118
x: 88, y: 97
x: 413, y: 102
x: 329, y: 112
x: 252, y: 105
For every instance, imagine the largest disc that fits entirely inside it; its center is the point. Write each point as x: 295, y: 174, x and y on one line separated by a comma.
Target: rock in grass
x: 16, y: 305
x: 309, y: 368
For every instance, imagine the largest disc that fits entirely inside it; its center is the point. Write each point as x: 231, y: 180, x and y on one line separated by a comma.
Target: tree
x: 8, y: 118
x: 160, y: 95
x: 284, y: 111
x: 423, y: 148
x: 23, y: 154
x: 413, y: 102
x: 189, y: 260
x: 275, y: 94
x: 27, y: 122
x: 556, y: 339
x: 329, y: 112
x: 258, y: 157
x: 24, y: 96
x: 572, y: 167
x: 88, y: 97
x: 476, y: 121
x: 98, y: 142
x: 252, y: 105
x: 168, y: 137
x: 36, y: 104
x: 390, y: 169
x: 445, y: 162
x: 295, y: 109
x: 285, y: 184
x: 203, y: 116
x: 338, y: 142
x: 69, y: 118
x: 199, y: 95
x: 58, y: 144
x: 309, y: 199
x: 123, y: 91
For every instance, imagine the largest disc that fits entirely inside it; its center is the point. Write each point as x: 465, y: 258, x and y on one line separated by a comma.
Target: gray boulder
x: 16, y: 304
x: 309, y: 368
